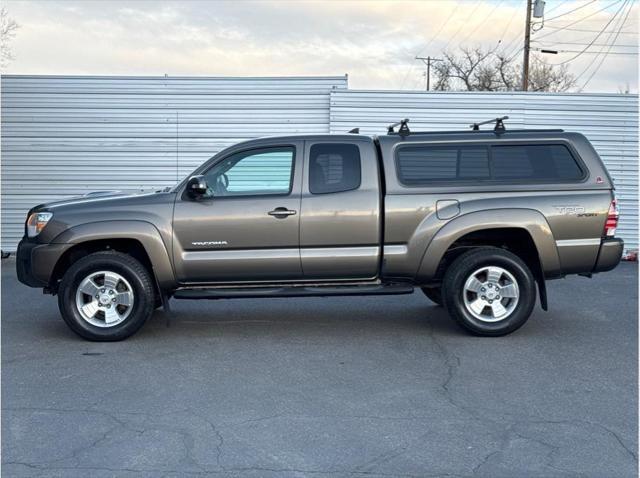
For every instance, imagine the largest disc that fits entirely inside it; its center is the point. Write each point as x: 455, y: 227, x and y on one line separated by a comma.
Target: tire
x: 434, y: 294
x: 497, y: 272
x: 125, y: 281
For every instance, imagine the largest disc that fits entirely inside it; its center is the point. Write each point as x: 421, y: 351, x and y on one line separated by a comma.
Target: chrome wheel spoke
x: 494, y: 274
x: 509, y: 291
x: 474, y: 285
x: 124, y: 298
x: 90, y: 308
x: 111, y: 315
x: 111, y: 280
x: 498, y: 309
x: 89, y: 287
x: 478, y: 306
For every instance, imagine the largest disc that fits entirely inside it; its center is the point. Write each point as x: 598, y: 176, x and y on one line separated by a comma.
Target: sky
x: 374, y: 42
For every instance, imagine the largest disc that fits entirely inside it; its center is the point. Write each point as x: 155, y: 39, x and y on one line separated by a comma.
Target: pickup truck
x: 478, y: 220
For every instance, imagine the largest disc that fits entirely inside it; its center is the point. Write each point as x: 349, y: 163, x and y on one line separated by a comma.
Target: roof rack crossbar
x: 499, y: 127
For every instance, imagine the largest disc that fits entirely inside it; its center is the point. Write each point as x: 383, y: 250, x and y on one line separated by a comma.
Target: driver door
x: 246, y: 228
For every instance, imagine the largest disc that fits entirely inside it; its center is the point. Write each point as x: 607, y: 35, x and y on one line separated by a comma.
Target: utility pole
x: 538, y: 12
x: 427, y: 61
x: 527, y: 47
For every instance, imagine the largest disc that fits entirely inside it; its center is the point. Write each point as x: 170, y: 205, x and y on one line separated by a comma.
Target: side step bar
x: 291, y: 291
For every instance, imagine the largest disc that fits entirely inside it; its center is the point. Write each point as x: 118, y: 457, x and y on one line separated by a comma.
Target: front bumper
x: 609, y: 255
x: 35, y: 262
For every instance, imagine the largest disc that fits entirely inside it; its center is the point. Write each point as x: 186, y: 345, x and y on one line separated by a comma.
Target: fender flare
x: 142, y: 231
x: 529, y: 220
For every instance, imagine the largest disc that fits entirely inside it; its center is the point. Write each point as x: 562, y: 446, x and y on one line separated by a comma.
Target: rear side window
x: 534, y: 162
x: 334, y: 168
x: 422, y: 165
x: 427, y: 164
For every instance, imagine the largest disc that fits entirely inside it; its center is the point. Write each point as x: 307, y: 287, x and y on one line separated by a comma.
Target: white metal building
x: 68, y: 135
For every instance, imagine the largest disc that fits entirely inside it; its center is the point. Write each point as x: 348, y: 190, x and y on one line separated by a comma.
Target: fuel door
x: 447, y: 208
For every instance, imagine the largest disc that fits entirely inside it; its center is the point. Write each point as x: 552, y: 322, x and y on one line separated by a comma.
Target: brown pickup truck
x: 478, y: 220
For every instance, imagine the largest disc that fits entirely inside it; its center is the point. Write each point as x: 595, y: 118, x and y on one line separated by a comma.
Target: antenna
x: 354, y: 131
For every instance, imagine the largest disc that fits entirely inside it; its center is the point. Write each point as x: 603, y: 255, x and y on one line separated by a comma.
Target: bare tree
x: 480, y: 70
x: 546, y: 77
x: 8, y: 27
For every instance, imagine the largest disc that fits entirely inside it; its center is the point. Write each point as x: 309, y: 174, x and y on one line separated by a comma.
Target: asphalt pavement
x: 325, y: 387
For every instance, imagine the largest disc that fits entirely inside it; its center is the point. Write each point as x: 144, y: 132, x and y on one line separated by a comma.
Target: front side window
x: 334, y: 168
x: 259, y: 172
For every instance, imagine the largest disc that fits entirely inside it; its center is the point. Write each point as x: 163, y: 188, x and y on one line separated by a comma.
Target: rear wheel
x: 106, y: 296
x: 489, y: 291
x: 433, y: 293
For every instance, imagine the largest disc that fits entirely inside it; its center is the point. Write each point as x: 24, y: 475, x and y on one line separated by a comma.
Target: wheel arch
x: 525, y: 221
x: 524, y: 232
x: 139, y: 239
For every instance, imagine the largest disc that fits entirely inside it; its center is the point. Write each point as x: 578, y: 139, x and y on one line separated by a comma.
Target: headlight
x: 36, y: 222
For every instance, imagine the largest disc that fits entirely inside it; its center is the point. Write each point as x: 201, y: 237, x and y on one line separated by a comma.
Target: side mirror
x: 196, y: 187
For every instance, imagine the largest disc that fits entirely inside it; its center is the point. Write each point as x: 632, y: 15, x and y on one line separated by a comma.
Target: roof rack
x: 403, y: 130
x: 465, y: 131
x: 498, y: 129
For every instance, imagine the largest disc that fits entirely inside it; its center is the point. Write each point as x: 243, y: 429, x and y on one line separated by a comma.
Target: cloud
x: 374, y: 42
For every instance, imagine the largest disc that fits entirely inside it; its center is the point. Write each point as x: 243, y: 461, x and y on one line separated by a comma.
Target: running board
x: 291, y: 291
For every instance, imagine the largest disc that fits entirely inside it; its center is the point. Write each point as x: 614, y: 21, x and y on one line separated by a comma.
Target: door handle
x: 281, y: 212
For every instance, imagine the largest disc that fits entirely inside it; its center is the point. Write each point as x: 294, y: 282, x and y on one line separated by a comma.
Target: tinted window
x: 427, y: 164
x: 251, y: 173
x: 421, y: 165
x: 474, y: 163
x: 334, y: 168
x: 534, y: 162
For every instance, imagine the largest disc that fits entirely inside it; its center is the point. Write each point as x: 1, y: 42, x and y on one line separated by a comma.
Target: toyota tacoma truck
x: 478, y: 220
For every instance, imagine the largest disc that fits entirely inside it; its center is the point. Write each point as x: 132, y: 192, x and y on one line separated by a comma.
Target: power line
x: 515, y: 14
x: 563, y: 27
x: 595, y: 58
x: 439, y: 29
x: 477, y: 4
x: 412, y: 65
x: 518, y: 49
x: 583, y: 30
x: 583, y: 43
x: 608, y: 51
x: 596, y: 37
x: 510, y: 44
x: 570, y: 11
x: 482, y: 22
x: 595, y: 53
x: 464, y: 24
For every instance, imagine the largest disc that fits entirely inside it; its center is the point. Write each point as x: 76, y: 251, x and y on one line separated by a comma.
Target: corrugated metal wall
x: 66, y: 135
x: 610, y: 122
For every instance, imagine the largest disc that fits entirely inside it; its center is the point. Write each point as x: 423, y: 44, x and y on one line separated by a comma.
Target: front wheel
x: 489, y: 291
x: 106, y: 296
